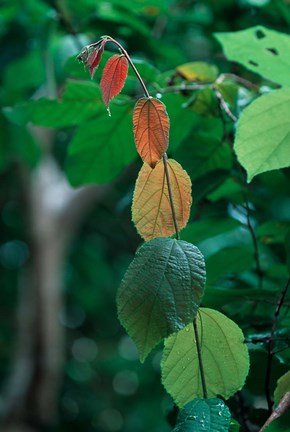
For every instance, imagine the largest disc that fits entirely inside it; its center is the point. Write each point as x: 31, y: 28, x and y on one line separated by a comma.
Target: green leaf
x: 283, y: 386
x: 202, y: 153
x: 281, y: 424
x: 263, y: 134
x: 224, y: 355
x: 101, y: 148
x: 201, y: 415
x: 207, y: 228
x: 260, y: 50
x: 272, y: 232
x: 81, y: 100
x: 161, y: 291
x: 229, y: 260
x: 287, y: 247
x: 182, y: 119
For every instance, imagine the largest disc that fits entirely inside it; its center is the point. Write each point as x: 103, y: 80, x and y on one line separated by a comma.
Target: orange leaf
x: 151, y: 129
x: 151, y: 211
x: 113, y: 77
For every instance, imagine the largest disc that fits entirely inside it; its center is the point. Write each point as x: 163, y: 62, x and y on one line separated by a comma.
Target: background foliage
x: 54, y: 127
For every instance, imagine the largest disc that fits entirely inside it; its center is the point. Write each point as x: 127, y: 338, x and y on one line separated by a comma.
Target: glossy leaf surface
x: 201, y: 415
x: 151, y: 129
x: 263, y: 134
x: 113, y: 77
x: 160, y: 291
x: 224, y: 355
x: 151, y: 210
x: 283, y: 386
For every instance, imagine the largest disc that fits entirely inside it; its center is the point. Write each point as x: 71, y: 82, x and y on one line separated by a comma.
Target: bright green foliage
x: 161, y: 291
x: 101, y: 148
x: 224, y: 355
x: 199, y: 415
x: 261, y: 50
x: 198, y: 71
x: 283, y: 386
x: 263, y: 134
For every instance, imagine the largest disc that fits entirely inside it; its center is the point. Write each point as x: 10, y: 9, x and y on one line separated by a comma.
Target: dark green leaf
x: 207, y: 228
x: 101, y: 148
x: 201, y: 415
x: 160, y: 291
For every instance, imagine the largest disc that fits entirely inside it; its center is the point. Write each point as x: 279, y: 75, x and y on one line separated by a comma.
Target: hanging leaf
x: 224, y: 355
x: 151, y: 129
x: 94, y: 58
x: 113, y: 77
x: 160, y: 291
x: 201, y: 415
x: 151, y: 210
x: 263, y: 134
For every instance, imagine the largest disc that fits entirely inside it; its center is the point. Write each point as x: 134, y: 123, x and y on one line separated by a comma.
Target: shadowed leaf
x: 160, y: 291
x: 151, y: 210
x: 151, y: 129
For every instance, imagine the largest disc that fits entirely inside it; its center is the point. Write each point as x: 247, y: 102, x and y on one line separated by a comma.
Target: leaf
x: 201, y: 415
x: 160, y: 291
x: 203, y: 152
x: 283, y: 386
x: 224, y: 355
x: 229, y: 260
x: 81, y: 100
x: 101, y: 148
x: 207, y: 228
x: 151, y: 210
x: 198, y: 71
x: 113, y: 77
x: 287, y: 248
x: 260, y: 50
x: 95, y: 57
x: 263, y: 134
x: 151, y: 129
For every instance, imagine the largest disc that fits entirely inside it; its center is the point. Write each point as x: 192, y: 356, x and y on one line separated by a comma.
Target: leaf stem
x: 164, y: 158
x: 200, y: 363
x: 271, y: 346
x: 110, y: 39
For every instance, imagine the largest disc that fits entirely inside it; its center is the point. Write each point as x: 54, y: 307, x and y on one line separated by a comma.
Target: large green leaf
x: 161, y: 291
x: 224, y: 355
x: 261, y: 50
x: 81, y: 100
x: 207, y: 228
x: 101, y: 148
x: 201, y: 415
x: 229, y: 260
x: 202, y: 153
x: 263, y: 134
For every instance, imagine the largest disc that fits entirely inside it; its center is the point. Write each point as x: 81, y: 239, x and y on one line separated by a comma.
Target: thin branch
x: 224, y: 105
x: 200, y: 363
x: 282, y: 408
x: 270, y: 347
x: 164, y: 157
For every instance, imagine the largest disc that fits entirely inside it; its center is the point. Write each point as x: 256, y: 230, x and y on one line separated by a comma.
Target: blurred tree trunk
x: 54, y: 212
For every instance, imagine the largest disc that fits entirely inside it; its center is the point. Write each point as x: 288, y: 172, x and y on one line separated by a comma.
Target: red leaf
x: 114, y: 77
x: 151, y: 129
x: 94, y: 59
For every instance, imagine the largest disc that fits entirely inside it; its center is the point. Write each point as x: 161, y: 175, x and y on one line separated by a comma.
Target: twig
x: 282, y: 408
x: 270, y: 350
x: 200, y: 363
